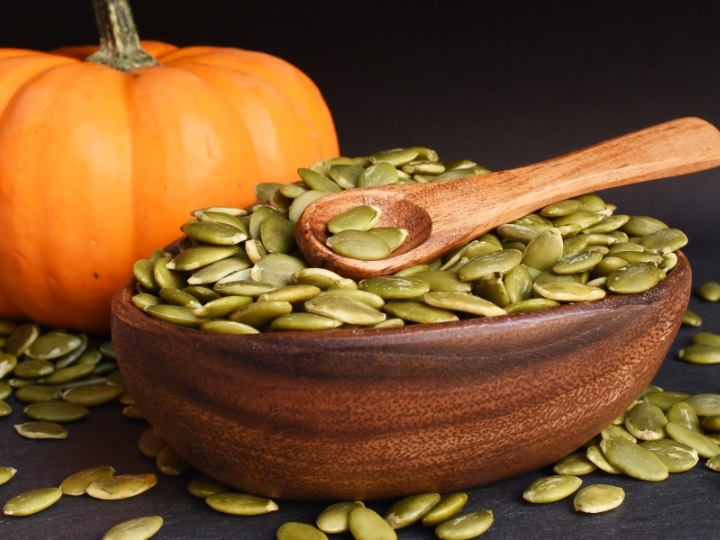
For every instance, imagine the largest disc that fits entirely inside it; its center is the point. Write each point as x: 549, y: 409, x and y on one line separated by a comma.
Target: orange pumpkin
x: 99, y: 166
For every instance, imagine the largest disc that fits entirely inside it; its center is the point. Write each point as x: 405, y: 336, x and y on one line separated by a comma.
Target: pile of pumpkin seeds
x: 239, y: 270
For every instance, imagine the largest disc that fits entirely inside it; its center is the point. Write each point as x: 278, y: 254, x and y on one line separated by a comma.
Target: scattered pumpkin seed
x: 240, y: 504
x: 598, y: 498
x: 56, y: 411
x: 294, y: 530
x: 549, y: 489
x: 634, y: 460
x: 32, y: 502
x: 411, y: 509
x: 704, y: 446
x: 6, y: 474
x: 334, y: 518
x: 141, y: 528
x: 465, y: 526
x: 76, y: 484
x: 676, y: 456
x: 41, y: 430
x: 122, y: 486
x: 204, y: 486
x: 366, y: 524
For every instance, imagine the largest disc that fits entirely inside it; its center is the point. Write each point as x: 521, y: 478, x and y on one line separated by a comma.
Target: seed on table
x: 56, y: 411
x: 448, y: 507
x: 692, y: 318
x: 93, y: 394
x: 294, y: 530
x: 634, y: 460
x: 41, y: 430
x: 122, y: 486
x: 646, y: 421
x: 598, y: 498
x: 713, y: 463
x: 204, y: 486
x: 240, y: 504
x: 141, y: 528
x: 366, y: 524
x: 465, y: 526
x: 53, y: 345
x: 706, y: 338
x: 551, y: 489
x: 21, y: 338
x: 5, y: 409
x: 665, y: 399
x: 76, y: 484
x: 6, y: 474
x: 701, y: 354
x: 709, y: 291
x: 576, y: 464
x: 596, y: 456
x: 37, y: 392
x: 410, y: 509
x: 683, y: 414
x: 68, y: 374
x: 32, y: 502
x: 676, y: 456
x: 334, y: 518
x: 170, y: 463
x: 703, y: 444
x: 32, y: 368
x: 614, y: 430
x: 707, y: 404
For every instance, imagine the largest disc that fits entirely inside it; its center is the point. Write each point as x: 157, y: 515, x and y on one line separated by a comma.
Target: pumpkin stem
x: 119, y: 42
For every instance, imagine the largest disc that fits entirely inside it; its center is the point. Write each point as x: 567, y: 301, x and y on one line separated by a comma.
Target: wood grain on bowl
x: 363, y: 414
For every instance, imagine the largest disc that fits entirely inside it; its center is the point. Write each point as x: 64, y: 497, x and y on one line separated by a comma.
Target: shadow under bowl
x: 364, y: 414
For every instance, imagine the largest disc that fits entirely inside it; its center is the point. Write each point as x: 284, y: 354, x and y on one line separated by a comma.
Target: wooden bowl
x: 363, y: 414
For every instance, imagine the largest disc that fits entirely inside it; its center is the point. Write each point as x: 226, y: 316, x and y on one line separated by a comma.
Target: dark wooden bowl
x: 363, y: 414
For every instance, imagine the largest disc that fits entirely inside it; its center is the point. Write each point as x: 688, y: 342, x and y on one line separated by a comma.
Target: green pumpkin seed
x: 551, y: 489
x: 304, y: 321
x: 276, y: 269
x: 294, y: 530
x: 122, y: 486
x: 248, y: 288
x: 167, y: 276
x: 713, y: 463
x: 464, y: 302
x: 41, y: 430
x: 614, y: 430
x: 646, y: 421
x: 214, y: 232
x: 6, y: 474
x: 170, y: 463
x: 345, y: 175
x: 367, y: 297
x: 705, y: 446
x: 334, y: 518
x: 21, y: 338
x: 683, y: 414
x: 705, y: 404
x: 143, y: 300
x: 141, y: 528
x: 77, y: 483
x: 576, y: 263
x: 395, y: 287
x: 297, y: 207
x: 31, y: 368
x: 596, y: 456
x: 709, y: 291
x: 643, y: 225
x: 665, y: 399
x: 515, y: 232
x: 216, y: 271
x: 345, y: 309
x: 290, y: 293
x: 676, y: 456
x: 366, y: 524
x: 360, y: 245
x: 228, y: 327
x: 418, y: 312
x: 706, y: 338
x: 562, y: 208
x: 700, y: 354
x: 56, y: 411
x: 544, y: 251
x: 321, y: 278
x: 150, y: 444
x: 204, y: 486
x: 260, y: 315
x: 7, y: 364
x: 240, y: 504
x: 664, y: 241
x: 359, y: 218
x: 567, y: 291
x: 470, y: 525
x: 598, y: 498
x: 93, y: 394
x: 492, y: 288
x: 634, y: 278
x: 394, y: 237
x: 531, y: 304
x: 634, y: 460
x: 576, y: 464
x: 410, y: 509
x: 37, y: 392
x: 711, y: 423
x: 5, y: 409
x: 276, y: 234
x: 483, y: 265
x: 32, y: 502
x: 196, y: 257
x: 221, y: 307
x: 447, y: 508
x: 315, y: 180
x: 179, y: 315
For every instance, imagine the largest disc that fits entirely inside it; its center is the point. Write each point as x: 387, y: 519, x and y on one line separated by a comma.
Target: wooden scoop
x: 443, y: 215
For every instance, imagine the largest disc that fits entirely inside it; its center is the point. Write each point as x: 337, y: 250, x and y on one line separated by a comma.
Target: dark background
x: 505, y: 83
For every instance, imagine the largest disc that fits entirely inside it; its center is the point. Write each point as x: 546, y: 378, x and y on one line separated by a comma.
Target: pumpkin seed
x: 380, y: 173
x: 56, y: 411
x: 664, y: 241
x: 196, y: 257
x: 598, y: 498
x: 366, y: 524
x: 7, y: 364
x: 150, y: 444
x: 596, y: 456
x: 260, y: 315
x: 464, y: 302
x: 240, y: 504
x: 709, y: 291
x: 578, y: 262
x: 576, y: 464
x: 41, y: 430
x: 665, y: 399
x: 32, y: 502
x: 5, y: 409
x: 634, y: 460
x: 567, y: 291
x: 140, y: 528
x: 448, y: 507
x: 497, y: 261
x: 166, y: 276
x: 6, y: 474
x: 214, y: 232
x: 470, y: 525
x: 315, y: 180
x: 122, y: 486
x: 411, y: 509
x: 304, y: 321
x: 395, y: 287
x: 92, y: 394
x: 297, y: 207
x: 683, y: 414
x: 345, y: 309
x: 551, y: 489
x: 676, y: 456
x: 643, y: 225
x: 367, y: 297
x: 646, y: 421
x: 170, y: 463
x: 696, y: 353
x: 290, y: 293
x: 634, y: 278
x: 77, y: 483
x: 31, y: 368
x: 545, y: 250
x: 334, y: 518
x: 418, y: 312
x: 228, y: 327
x: 204, y: 486
x: 394, y: 237
x: 359, y: 218
x: 37, y: 392
x: 276, y: 269
x: 713, y: 463
x: 706, y: 338
x: 711, y: 423
x: 360, y: 245
x: 705, y: 404
x: 21, y: 338
x: 219, y: 270
x: 294, y: 530
x: 704, y: 446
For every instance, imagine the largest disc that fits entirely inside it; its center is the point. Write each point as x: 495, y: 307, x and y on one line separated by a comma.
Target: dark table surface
x: 502, y: 83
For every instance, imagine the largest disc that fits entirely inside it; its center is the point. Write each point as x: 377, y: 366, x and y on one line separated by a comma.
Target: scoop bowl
x: 364, y: 414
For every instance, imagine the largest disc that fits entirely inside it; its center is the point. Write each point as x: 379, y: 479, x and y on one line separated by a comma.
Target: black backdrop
x: 503, y: 82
